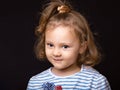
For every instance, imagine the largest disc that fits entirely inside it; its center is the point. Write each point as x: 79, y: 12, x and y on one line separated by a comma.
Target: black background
x: 18, y: 20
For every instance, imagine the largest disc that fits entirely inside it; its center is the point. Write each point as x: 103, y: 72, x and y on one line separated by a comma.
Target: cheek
x: 47, y: 51
x: 72, y: 54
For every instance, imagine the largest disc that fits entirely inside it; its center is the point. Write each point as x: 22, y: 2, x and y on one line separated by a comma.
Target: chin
x: 59, y: 67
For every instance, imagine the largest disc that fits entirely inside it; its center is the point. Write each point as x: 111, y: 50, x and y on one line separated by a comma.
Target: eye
x: 65, y: 46
x: 50, y: 45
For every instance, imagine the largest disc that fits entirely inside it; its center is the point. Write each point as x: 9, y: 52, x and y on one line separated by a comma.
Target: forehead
x: 61, y: 33
x: 74, y: 27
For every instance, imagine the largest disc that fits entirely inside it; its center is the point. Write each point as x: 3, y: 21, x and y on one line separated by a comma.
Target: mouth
x: 57, y: 59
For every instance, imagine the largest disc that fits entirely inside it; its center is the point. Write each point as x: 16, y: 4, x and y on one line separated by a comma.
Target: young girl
x: 64, y: 38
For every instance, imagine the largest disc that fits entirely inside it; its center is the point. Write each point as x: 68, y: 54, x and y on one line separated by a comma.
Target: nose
x: 56, y: 52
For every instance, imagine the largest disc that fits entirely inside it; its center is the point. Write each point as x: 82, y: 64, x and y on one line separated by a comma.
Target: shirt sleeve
x: 29, y: 87
x: 32, y: 84
x: 100, y: 83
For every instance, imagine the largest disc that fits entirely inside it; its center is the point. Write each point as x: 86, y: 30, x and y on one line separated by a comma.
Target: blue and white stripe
x: 87, y: 79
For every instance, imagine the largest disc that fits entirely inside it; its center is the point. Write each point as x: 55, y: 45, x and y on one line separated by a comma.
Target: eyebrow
x: 64, y: 42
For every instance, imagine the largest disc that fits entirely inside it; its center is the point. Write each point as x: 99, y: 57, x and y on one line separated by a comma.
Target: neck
x: 66, y: 72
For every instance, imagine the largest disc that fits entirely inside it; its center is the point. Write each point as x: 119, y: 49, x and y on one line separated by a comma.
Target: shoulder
x: 37, y: 80
x: 40, y: 75
x: 98, y: 80
x: 91, y: 72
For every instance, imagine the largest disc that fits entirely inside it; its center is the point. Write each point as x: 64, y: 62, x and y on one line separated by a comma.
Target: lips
x: 57, y: 59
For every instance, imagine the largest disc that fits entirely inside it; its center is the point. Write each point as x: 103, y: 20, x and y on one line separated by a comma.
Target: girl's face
x: 62, y: 47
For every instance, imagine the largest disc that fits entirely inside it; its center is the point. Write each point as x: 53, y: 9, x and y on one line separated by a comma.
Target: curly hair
x: 59, y: 12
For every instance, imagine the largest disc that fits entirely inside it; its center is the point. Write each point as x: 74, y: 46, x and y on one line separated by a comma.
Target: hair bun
x: 63, y: 9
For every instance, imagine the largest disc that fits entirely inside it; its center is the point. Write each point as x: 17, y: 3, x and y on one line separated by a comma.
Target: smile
x: 56, y: 59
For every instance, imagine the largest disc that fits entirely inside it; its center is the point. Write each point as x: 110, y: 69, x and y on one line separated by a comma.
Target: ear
x: 83, y: 47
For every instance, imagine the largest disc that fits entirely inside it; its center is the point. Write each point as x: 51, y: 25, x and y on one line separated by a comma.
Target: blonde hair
x: 58, y: 12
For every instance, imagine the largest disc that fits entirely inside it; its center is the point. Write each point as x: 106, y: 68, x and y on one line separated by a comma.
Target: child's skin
x: 66, y: 41
x: 62, y: 48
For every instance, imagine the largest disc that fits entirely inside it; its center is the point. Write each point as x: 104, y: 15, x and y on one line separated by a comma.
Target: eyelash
x: 63, y: 46
x: 49, y: 44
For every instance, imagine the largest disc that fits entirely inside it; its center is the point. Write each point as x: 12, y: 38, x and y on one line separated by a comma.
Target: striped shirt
x: 87, y: 79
